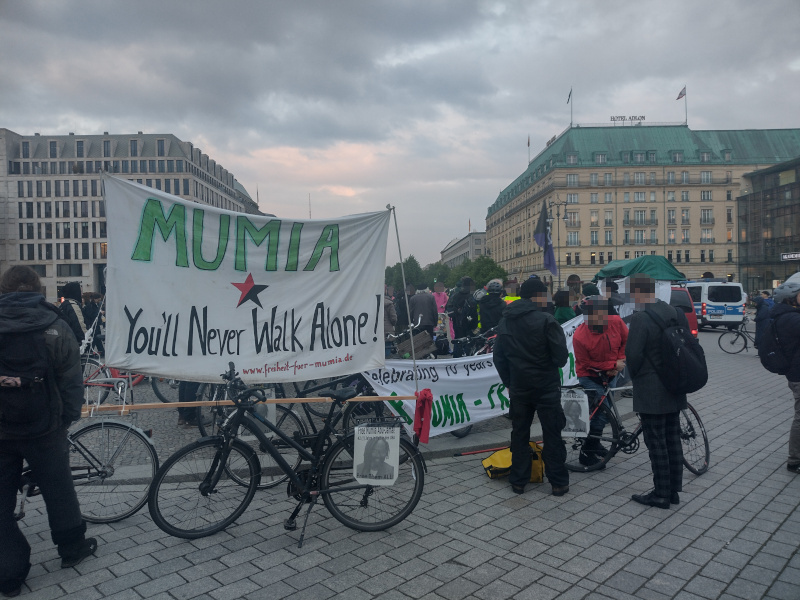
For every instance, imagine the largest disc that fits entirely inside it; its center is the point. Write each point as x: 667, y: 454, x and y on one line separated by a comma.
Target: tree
x: 481, y: 270
x: 435, y: 272
x: 414, y: 275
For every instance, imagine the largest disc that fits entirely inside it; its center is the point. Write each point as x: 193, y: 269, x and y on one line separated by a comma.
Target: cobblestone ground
x: 735, y: 534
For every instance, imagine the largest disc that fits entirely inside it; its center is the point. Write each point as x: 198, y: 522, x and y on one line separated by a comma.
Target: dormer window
x: 705, y: 157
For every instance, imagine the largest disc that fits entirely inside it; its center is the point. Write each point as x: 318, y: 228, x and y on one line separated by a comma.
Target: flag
x: 542, y: 236
x: 570, y: 95
x: 469, y: 226
x: 529, y: 141
x: 682, y: 94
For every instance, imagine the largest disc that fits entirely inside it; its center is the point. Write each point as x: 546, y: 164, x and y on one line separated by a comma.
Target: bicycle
x: 113, y: 463
x: 96, y: 375
x: 615, y: 438
x: 207, y: 485
x: 734, y: 341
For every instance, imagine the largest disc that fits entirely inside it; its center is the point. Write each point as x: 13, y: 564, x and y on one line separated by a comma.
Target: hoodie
x: 529, y: 350
x: 22, y: 312
x: 789, y: 336
x: 599, y: 351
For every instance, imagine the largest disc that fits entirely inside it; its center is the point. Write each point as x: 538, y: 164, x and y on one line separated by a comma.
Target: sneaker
x: 83, y: 550
x: 560, y: 490
x: 588, y: 459
x: 793, y: 468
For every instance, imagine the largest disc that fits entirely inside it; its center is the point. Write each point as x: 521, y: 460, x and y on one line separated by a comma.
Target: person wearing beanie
x: 71, y: 309
x: 529, y: 350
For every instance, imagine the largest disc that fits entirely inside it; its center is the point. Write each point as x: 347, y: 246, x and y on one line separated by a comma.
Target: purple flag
x: 542, y: 236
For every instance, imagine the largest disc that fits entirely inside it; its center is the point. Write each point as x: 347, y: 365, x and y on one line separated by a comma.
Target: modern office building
x: 471, y: 246
x: 617, y: 192
x: 769, y: 226
x: 52, y: 210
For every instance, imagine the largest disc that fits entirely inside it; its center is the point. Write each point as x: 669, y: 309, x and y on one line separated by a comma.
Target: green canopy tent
x: 656, y: 267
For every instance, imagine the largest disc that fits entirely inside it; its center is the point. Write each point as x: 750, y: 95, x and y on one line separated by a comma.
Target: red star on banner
x: 250, y: 290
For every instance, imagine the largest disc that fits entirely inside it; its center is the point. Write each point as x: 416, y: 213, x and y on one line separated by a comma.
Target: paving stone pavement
x: 735, y: 534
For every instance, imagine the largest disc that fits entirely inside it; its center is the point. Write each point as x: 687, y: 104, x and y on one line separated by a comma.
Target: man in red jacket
x: 599, y: 347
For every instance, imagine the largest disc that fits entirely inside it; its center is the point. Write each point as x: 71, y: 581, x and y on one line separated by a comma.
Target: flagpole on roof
x: 685, y: 107
x: 569, y: 98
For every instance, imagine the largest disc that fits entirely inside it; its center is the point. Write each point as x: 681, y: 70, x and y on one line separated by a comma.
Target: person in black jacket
x: 787, y: 310
x: 491, y: 306
x: 23, y: 309
x: 71, y: 309
x: 529, y: 350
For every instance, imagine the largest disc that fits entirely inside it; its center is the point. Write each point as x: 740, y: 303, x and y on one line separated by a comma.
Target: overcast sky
x: 425, y: 105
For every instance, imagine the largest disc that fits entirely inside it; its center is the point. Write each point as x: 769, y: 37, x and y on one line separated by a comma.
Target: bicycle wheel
x: 732, y: 342
x: 183, y: 505
x: 463, y: 432
x: 112, y: 467
x: 594, y: 451
x: 696, y: 451
x: 165, y: 389
x: 370, y: 508
x: 93, y: 370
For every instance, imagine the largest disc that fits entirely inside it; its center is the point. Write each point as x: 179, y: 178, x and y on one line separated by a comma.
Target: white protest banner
x: 192, y: 287
x: 465, y: 390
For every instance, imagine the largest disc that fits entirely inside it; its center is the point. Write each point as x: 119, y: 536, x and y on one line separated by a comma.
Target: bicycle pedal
x: 290, y: 524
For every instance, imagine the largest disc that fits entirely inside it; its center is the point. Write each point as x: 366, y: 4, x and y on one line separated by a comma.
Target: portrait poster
x: 376, y: 454
x: 575, y: 403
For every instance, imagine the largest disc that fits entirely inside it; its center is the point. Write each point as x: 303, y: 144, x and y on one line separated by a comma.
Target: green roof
x: 656, y: 267
x: 746, y: 147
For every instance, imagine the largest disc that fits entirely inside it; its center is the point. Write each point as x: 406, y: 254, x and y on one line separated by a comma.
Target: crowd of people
x: 36, y: 408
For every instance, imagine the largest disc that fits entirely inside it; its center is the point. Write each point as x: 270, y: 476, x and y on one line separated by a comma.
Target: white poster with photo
x: 376, y: 454
x: 575, y: 403
x: 192, y: 287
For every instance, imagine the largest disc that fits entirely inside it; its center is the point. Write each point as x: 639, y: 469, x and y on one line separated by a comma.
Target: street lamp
x: 558, y: 204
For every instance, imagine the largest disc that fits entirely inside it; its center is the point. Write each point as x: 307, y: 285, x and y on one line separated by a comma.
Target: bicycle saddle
x: 340, y: 395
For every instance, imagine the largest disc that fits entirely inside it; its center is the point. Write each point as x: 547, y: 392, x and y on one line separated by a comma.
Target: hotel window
x: 626, y: 197
x: 143, y: 166
x: 627, y: 237
x: 671, y: 216
x: 685, y: 237
x: 572, y: 179
x: 572, y: 238
x: 686, y: 256
x: 639, y: 253
x: 609, y: 239
x: 707, y: 216
x: 134, y: 147
x: 678, y: 256
x: 568, y: 256
x: 638, y: 197
x: 706, y: 236
x: 106, y: 148
x: 705, y: 176
x: 79, y: 149
x: 594, y: 239
x: 577, y: 258
x: 600, y: 159
x: 53, y: 150
x: 705, y: 195
x: 684, y: 216
x: 729, y: 215
x: 170, y: 166
x: 685, y: 196
x: 593, y: 198
x: 151, y: 166
x: 607, y: 179
x: 602, y: 260
x: 710, y: 256
x: 727, y: 159
x: 608, y: 218
x: 704, y: 158
x: 20, y: 189
x: 26, y: 149
x: 594, y: 218
x: 730, y: 256
x: 593, y: 256
x: 652, y: 180
x: 684, y: 176
x: 627, y: 255
x: 652, y: 196
x: 608, y: 198
x: 638, y: 157
x: 677, y: 157
x: 161, y: 166
x: 626, y: 179
x: 669, y: 255
x: 610, y: 258
x: 639, y: 178
x: 160, y: 147
x: 593, y: 179
x: 638, y: 236
x: 651, y: 157
x: 572, y: 198
x: 639, y: 217
x: 167, y: 186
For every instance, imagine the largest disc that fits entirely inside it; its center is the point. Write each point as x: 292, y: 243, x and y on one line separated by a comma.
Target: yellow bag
x: 498, y: 464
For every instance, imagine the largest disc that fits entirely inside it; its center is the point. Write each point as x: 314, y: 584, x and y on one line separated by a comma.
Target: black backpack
x: 685, y: 369
x: 26, y: 375
x: 772, y: 356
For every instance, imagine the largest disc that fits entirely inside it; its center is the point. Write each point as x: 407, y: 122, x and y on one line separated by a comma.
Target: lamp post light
x: 558, y: 204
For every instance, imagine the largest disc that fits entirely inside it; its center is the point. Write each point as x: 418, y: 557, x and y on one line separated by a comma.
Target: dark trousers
x: 662, y: 435
x: 187, y: 392
x: 554, y: 454
x: 48, y: 456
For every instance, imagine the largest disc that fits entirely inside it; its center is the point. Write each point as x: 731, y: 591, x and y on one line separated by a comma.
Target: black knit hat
x: 532, y: 287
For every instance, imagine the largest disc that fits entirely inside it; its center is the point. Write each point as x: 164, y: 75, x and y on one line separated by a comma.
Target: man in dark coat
x: 491, y: 306
x: 463, y: 310
x: 658, y: 408
x: 529, y: 350
x: 23, y: 310
x: 787, y: 311
x: 424, y: 310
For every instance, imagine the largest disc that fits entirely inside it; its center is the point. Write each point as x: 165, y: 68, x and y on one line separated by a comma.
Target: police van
x: 717, y: 302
